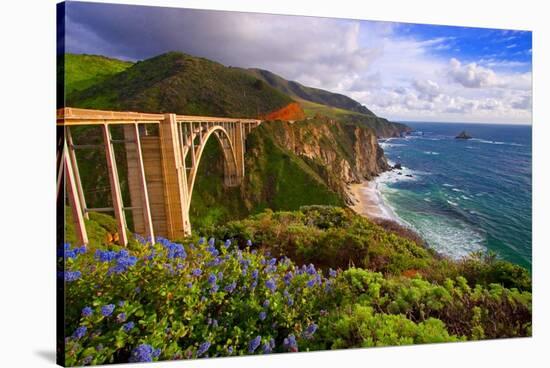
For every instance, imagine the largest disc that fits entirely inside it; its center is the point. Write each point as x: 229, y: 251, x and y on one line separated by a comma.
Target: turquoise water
x: 464, y: 195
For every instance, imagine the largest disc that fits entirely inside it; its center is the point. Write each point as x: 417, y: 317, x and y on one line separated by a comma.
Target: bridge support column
x: 239, y: 149
x: 174, y: 179
x: 74, y: 200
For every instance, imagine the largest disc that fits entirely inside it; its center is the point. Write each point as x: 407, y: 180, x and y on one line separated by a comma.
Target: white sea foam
x: 452, y: 238
x: 496, y: 142
x: 448, y: 185
x: 452, y: 203
x: 431, y: 153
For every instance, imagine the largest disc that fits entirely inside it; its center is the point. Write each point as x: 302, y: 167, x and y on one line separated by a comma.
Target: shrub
x: 169, y: 301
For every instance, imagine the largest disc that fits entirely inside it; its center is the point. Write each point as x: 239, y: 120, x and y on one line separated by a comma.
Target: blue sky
x: 474, y: 44
x: 400, y: 71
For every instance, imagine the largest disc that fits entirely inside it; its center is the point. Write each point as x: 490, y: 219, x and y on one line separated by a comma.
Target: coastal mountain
x: 176, y: 82
x: 314, y: 144
x: 317, y: 101
x: 316, y: 95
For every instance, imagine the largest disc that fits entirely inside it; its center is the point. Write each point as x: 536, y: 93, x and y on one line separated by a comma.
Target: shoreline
x: 368, y: 201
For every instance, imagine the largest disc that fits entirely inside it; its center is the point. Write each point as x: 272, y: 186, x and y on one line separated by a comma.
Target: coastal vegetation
x: 314, y: 279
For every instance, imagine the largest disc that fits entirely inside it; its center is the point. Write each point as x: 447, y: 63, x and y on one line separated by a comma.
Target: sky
x: 400, y: 71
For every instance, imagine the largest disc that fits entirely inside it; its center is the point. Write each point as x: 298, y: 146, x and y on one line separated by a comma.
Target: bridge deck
x: 77, y: 116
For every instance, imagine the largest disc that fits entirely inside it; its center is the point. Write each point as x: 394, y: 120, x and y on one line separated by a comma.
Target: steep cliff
x: 333, y: 153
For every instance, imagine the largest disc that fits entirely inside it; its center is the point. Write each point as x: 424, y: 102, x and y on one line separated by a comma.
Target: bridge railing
x: 156, y: 148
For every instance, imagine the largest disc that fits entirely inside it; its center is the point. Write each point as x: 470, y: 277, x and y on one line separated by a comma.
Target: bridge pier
x: 174, y: 176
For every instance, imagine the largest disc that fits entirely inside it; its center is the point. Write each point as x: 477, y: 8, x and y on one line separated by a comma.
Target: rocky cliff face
x: 338, y: 153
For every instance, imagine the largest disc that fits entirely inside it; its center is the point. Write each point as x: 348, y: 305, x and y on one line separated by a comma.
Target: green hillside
x: 83, y: 71
x: 316, y: 95
x: 316, y: 101
x: 180, y: 83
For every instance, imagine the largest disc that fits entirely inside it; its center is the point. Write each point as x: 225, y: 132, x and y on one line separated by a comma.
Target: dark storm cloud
x: 319, y: 51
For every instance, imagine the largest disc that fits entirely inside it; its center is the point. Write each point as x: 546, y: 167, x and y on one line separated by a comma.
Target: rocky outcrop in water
x: 463, y: 135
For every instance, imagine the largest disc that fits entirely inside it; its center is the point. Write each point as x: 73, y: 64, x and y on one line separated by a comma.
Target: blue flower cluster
x: 203, y: 348
x: 174, y: 250
x: 69, y: 253
x: 144, y: 353
x: 127, y: 327
x: 290, y: 343
x: 308, y: 333
x: 254, y: 343
x: 269, y: 346
x: 107, y: 310
x: 71, y: 275
x: 123, y: 259
x: 231, y: 287
x: 87, y: 312
x: 80, y: 332
x: 270, y: 284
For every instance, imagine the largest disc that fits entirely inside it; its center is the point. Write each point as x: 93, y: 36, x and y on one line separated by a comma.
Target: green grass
x: 83, y: 71
x: 311, y: 109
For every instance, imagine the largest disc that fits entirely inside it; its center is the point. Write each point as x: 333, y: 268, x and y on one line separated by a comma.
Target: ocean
x: 464, y: 196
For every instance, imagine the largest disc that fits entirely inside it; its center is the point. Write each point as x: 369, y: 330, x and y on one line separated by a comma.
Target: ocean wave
x: 497, y: 142
x: 431, y: 153
x: 451, y: 238
x: 452, y: 203
x: 457, y: 190
x: 394, y: 176
x: 448, y: 185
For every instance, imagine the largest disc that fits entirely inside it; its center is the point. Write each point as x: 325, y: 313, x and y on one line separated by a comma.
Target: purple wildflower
x: 212, y: 279
x: 290, y: 343
x: 231, y: 287
x: 270, y: 284
x: 144, y: 353
x: 203, y: 348
x: 87, y: 312
x: 80, y: 332
x: 121, y: 317
x: 262, y: 315
x: 107, y: 310
x: 71, y: 275
x: 127, y: 327
x: 310, y: 331
x: 254, y: 343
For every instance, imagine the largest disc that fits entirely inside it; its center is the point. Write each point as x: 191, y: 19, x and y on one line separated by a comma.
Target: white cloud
x: 470, y: 75
x: 428, y: 90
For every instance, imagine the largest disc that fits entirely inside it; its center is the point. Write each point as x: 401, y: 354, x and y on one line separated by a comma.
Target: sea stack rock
x: 397, y: 166
x: 463, y: 135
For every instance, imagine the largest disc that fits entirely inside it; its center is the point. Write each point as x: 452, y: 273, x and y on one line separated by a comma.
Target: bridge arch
x: 231, y: 169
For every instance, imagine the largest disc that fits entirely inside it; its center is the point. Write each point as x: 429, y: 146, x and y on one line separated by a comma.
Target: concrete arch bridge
x: 163, y: 153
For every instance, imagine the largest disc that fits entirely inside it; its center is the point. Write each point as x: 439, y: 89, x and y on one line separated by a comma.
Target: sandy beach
x: 368, y: 201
